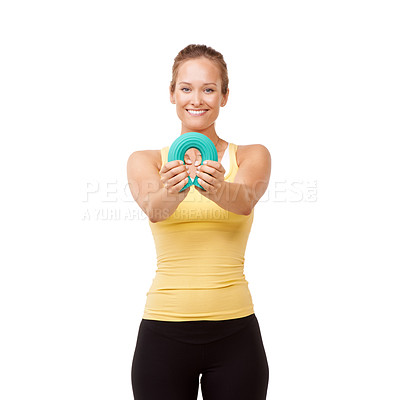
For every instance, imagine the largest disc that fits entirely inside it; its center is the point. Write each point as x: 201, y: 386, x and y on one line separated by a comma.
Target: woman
x: 199, y: 318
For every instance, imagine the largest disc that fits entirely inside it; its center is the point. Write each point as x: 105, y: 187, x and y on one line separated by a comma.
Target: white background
x: 85, y: 83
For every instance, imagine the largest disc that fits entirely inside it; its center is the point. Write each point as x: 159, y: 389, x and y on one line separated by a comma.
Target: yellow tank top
x: 200, y: 260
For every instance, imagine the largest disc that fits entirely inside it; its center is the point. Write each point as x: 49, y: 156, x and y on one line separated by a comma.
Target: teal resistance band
x: 200, y: 142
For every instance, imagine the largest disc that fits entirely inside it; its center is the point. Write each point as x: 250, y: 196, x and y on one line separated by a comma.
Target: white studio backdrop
x: 84, y: 83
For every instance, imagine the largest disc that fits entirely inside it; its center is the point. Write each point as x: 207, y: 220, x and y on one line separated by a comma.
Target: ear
x: 225, y: 98
x: 172, y: 97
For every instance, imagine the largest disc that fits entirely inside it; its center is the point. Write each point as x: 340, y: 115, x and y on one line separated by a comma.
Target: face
x: 198, y: 87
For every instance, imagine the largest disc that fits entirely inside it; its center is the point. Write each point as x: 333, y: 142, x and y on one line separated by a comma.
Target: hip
x: 198, y: 332
x: 201, y: 304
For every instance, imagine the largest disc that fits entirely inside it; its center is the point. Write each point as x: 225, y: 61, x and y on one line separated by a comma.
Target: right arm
x: 147, y: 187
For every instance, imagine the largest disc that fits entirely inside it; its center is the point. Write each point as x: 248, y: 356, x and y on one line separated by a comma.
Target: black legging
x: 170, y: 356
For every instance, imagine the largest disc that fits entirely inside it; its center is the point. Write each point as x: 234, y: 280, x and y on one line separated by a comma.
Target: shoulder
x: 153, y: 156
x: 251, y: 151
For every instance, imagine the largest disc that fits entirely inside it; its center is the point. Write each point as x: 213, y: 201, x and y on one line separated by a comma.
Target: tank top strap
x: 164, y: 155
x: 232, y: 162
x: 225, y: 161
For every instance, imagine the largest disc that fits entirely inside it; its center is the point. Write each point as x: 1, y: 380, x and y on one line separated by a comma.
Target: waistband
x: 198, y: 332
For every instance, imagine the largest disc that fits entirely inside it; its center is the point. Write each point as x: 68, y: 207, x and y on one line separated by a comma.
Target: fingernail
x: 197, y: 163
x: 205, y: 162
x: 180, y: 162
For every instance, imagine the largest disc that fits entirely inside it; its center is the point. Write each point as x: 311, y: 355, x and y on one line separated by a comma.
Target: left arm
x: 250, y: 183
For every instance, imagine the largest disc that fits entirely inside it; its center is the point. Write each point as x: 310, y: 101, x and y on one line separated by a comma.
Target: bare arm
x: 233, y: 197
x: 146, y: 184
x: 253, y: 175
x: 250, y: 183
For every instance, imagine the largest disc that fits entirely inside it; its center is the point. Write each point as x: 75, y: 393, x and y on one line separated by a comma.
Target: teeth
x: 197, y: 111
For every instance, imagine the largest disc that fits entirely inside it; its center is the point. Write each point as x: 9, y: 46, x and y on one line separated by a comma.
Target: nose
x: 197, y: 98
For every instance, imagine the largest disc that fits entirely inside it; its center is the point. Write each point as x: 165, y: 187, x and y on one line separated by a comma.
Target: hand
x: 174, y: 176
x: 210, y: 177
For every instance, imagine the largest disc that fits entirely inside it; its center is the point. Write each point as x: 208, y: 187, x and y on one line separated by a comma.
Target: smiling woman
x: 199, y: 316
x: 201, y: 90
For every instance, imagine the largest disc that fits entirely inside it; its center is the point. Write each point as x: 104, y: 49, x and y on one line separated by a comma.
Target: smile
x: 196, y: 112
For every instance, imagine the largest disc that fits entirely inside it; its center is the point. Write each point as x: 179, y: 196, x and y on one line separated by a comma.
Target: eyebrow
x: 210, y: 83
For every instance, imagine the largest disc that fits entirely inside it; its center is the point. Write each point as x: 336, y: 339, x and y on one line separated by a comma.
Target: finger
x: 170, y: 172
x: 180, y: 185
x: 211, y: 170
x: 215, y: 164
x: 204, y: 184
x: 171, y: 164
x: 178, y: 178
x: 168, y: 165
x: 209, y: 179
x: 181, y: 179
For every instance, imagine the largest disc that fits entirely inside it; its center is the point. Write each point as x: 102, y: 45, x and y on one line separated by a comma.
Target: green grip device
x: 200, y: 142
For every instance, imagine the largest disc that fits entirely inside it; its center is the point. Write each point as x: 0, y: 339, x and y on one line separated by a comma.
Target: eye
x: 184, y: 91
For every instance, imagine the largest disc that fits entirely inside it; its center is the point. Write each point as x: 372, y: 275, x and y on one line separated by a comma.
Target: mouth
x: 196, y: 113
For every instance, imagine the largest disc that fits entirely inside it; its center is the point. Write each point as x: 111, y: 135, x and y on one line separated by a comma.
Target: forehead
x: 198, y: 70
